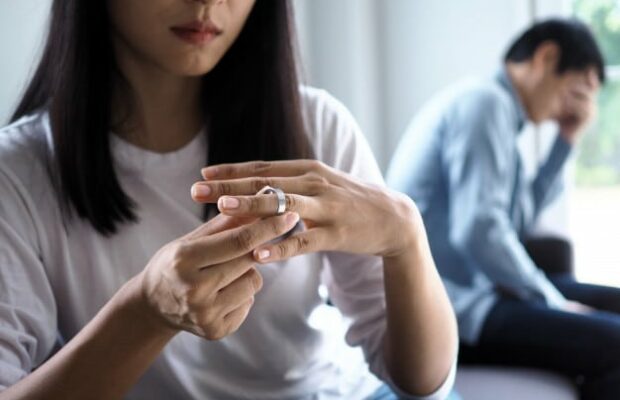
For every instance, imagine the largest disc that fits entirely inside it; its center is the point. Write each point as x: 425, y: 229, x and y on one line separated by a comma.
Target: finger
x: 239, y: 291
x: 267, y: 205
x: 218, y: 224
x: 582, y: 108
x: 211, y: 191
x: 593, y: 79
x: 584, y: 94
x: 578, y: 105
x: 221, y: 275
x: 260, y: 168
x: 223, y: 326
x: 235, y: 318
x: 581, y: 95
x: 285, y: 168
x: 224, y: 246
x: 305, y: 242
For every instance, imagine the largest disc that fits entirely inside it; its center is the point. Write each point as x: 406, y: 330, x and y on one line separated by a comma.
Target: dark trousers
x: 585, y: 347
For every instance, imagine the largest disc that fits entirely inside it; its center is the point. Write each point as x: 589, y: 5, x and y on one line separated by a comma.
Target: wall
x: 22, y: 24
x: 384, y: 59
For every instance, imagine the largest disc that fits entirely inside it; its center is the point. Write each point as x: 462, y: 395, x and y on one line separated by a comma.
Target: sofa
x: 502, y: 383
x: 553, y: 256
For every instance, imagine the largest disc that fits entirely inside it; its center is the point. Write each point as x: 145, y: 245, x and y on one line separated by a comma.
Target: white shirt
x: 55, y: 275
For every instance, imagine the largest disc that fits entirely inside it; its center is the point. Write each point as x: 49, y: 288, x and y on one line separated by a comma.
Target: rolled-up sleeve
x: 27, y: 308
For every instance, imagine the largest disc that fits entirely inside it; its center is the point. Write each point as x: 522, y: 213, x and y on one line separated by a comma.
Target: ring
x: 279, y: 194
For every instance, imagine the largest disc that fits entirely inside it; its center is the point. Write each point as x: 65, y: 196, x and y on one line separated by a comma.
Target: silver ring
x: 279, y: 194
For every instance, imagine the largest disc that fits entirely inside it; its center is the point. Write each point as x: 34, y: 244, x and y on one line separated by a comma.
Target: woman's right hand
x: 205, y: 281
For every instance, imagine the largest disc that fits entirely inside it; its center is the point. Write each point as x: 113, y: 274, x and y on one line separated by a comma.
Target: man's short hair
x: 578, y: 48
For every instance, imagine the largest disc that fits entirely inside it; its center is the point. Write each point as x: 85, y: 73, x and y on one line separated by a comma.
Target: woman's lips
x: 196, y: 32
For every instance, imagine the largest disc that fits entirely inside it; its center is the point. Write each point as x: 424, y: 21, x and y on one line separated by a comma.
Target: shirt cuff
x: 441, y: 393
x: 552, y: 295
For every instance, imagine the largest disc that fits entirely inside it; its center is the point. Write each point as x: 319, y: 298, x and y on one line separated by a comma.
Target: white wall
x: 384, y: 59
x: 431, y: 44
x: 340, y: 44
x: 22, y: 23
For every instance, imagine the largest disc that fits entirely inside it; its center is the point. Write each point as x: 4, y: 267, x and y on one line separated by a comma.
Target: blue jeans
x: 385, y: 393
x: 585, y: 347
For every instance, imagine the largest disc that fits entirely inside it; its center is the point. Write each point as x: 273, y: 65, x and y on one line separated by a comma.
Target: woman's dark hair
x: 251, y: 102
x: 578, y: 48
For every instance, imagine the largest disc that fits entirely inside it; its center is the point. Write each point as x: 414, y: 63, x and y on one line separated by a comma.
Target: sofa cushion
x: 503, y: 383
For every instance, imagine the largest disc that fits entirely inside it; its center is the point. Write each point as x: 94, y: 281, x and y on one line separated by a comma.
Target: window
x: 596, y: 204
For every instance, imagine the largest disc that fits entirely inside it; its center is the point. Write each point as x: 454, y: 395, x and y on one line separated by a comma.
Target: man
x: 459, y: 161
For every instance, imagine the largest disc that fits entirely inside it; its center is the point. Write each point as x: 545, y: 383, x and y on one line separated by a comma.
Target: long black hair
x: 251, y: 100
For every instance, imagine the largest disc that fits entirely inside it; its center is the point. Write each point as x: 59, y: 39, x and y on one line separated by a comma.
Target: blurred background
x: 385, y: 58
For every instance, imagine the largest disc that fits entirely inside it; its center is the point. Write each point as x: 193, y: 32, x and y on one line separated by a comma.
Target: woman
x: 129, y: 102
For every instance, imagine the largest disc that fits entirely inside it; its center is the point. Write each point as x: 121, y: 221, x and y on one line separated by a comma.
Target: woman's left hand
x: 340, y: 212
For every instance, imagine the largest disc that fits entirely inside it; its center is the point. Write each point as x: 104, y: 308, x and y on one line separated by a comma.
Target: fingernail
x: 292, y: 218
x: 209, y: 172
x: 263, y: 254
x: 201, y: 191
x: 230, y: 202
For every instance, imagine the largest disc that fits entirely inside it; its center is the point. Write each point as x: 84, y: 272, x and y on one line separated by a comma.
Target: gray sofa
x: 501, y: 383
x: 553, y: 256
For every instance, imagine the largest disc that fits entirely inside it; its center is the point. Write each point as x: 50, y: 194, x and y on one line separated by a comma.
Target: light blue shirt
x: 460, y: 162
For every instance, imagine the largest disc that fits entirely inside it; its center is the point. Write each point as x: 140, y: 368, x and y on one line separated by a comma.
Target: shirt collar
x: 134, y: 159
x: 504, y: 80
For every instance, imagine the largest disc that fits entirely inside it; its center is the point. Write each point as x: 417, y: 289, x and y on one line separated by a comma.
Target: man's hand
x: 579, y: 107
x: 577, y: 308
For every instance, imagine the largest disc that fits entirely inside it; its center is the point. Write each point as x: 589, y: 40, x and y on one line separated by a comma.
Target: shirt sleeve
x: 355, y: 282
x: 479, y: 161
x: 548, y: 183
x: 28, y: 324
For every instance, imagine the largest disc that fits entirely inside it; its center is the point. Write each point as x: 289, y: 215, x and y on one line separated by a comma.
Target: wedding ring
x: 280, y: 196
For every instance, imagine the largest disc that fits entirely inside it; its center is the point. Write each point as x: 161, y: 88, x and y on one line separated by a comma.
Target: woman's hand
x: 205, y: 282
x: 344, y: 214
x: 340, y: 212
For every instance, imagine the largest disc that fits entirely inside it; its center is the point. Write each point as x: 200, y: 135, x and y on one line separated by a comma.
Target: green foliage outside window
x: 598, y: 163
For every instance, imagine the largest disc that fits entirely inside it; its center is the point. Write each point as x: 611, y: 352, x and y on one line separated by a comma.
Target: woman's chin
x: 192, y: 66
